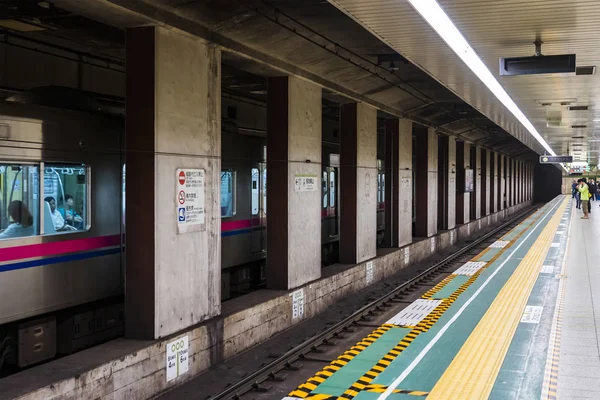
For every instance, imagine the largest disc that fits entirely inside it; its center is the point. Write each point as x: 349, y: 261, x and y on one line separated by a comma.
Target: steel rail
x: 270, y: 370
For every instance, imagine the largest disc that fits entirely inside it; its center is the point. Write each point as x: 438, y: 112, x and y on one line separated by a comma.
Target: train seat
x: 48, y: 224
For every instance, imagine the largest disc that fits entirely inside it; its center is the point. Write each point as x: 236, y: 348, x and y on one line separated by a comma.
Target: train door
x: 259, y: 207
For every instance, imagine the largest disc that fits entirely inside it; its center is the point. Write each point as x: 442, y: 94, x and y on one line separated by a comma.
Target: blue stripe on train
x: 56, y: 260
x: 233, y: 233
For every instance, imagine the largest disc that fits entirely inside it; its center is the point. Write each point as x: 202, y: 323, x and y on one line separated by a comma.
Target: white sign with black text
x: 191, y: 213
x: 305, y: 183
x: 177, y: 358
x: 297, y: 304
x: 369, y: 272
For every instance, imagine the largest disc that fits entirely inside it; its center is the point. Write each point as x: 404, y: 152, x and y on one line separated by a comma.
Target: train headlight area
x: 180, y: 183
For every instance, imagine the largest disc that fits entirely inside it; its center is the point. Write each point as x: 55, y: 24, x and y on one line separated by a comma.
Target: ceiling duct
x: 68, y: 99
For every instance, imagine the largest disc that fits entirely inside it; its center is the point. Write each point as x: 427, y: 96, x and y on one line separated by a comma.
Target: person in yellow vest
x: 584, y: 192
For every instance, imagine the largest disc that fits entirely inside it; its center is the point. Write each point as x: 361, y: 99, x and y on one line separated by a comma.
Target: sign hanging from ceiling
x: 555, y: 159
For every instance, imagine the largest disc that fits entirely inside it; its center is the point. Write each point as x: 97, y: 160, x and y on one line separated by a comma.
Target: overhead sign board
x: 555, y: 159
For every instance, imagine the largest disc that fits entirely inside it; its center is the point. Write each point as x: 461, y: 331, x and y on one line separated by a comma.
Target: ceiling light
x: 431, y: 11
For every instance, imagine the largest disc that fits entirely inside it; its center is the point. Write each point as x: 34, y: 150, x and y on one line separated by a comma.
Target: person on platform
x: 574, y: 189
x: 22, y: 224
x: 584, y: 193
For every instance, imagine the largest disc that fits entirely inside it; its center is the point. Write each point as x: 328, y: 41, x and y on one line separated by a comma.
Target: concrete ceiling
x: 498, y: 29
x: 308, y: 38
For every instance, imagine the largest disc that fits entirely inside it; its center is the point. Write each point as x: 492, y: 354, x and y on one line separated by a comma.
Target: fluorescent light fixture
x: 431, y: 11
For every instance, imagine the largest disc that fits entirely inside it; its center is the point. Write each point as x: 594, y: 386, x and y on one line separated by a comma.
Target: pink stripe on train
x: 54, y: 248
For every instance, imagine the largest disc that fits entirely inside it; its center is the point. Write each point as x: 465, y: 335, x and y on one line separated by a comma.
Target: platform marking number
x: 369, y: 272
x: 532, y: 315
x: 432, y: 244
x: 547, y: 269
x: 451, y: 237
x: 177, y: 358
x: 406, y: 256
x: 297, y: 304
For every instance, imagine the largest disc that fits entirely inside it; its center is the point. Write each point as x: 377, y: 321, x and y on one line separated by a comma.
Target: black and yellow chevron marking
x: 304, y: 391
x: 382, y: 388
x: 311, y: 384
x: 429, y: 294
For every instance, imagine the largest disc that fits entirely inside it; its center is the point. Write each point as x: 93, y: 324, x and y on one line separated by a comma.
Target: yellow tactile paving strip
x: 472, y: 373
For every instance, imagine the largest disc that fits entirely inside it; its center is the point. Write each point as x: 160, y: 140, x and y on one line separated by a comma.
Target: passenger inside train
x: 57, y: 219
x: 69, y: 214
x: 22, y: 221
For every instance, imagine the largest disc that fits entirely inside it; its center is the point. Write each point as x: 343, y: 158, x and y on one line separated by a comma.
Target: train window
x: 255, y: 191
x: 227, y: 193
x: 324, y: 189
x: 332, y: 187
x: 65, y: 198
x: 19, y: 192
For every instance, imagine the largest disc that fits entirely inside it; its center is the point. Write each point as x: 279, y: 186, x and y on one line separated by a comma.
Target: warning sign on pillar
x: 191, y: 213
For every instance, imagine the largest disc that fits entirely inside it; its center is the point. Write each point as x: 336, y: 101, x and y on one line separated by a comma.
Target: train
x: 62, y: 186
x: 61, y: 230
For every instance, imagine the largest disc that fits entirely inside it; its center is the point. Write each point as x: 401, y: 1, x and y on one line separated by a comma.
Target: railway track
x: 259, y: 381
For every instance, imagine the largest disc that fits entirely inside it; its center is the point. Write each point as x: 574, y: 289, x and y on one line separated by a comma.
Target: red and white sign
x: 181, y: 178
x: 181, y: 197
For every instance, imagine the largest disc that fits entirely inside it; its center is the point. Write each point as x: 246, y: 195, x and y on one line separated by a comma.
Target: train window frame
x: 233, y: 193
x: 88, y: 196
x: 39, y: 221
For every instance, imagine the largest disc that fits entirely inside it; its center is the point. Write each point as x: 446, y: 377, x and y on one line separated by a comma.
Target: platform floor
x: 519, y: 321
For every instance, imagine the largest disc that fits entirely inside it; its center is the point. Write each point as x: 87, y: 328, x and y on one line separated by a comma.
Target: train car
x: 243, y: 210
x: 61, y: 231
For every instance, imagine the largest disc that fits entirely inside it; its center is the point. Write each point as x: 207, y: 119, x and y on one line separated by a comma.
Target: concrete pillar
x: 173, y: 271
x: 426, y: 182
x: 517, y: 180
x: 400, y: 145
x: 530, y: 176
x: 293, y: 157
x: 463, y: 162
x: 493, y: 182
x: 511, y: 181
x: 446, y: 193
x: 485, y: 185
x: 502, y: 181
x: 358, y: 183
x: 477, y: 173
x: 451, y: 183
x: 391, y: 183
